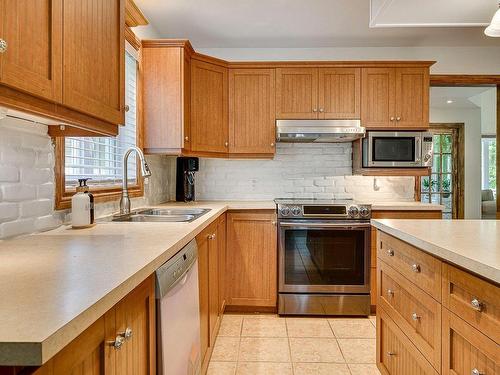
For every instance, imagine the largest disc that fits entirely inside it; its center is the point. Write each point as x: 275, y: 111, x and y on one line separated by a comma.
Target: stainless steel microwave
x: 400, y: 149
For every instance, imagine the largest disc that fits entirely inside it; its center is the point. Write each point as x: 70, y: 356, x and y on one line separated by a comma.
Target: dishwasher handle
x: 175, y: 269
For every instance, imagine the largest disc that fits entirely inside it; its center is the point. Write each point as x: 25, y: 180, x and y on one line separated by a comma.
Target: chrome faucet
x: 145, y: 172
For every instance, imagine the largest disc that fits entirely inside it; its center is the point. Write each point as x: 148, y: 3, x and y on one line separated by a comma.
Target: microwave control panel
x: 427, y: 148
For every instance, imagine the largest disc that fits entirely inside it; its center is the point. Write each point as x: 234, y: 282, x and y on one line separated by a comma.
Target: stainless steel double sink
x: 169, y: 215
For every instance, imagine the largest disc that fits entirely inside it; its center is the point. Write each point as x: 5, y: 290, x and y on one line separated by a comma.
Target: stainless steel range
x: 324, y: 257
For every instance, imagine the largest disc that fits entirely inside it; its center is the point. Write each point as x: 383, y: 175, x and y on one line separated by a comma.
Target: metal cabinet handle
x: 3, y: 46
x: 117, y: 344
x: 321, y: 110
x: 273, y: 222
x: 476, y: 304
x: 186, y: 139
x: 390, y: 354
x: 315, y: 109
x: 398, y: 118
x: 390, y: 292
x: 392, y: 118
x: 210, y: 236
x: 415, y: 317
x: 213, y: 236
x: 390, y: 252
x: 415, y: 268
x: 127, y: 334
x: 475, y: 371
x: 272, y: 144
x: 226, y: 144
x: 126, y: 108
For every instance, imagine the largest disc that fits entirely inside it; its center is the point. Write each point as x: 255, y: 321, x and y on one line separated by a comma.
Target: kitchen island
x: 438, y: 296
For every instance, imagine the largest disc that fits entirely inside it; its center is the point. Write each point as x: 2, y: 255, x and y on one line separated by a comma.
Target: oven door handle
x: 290, y: 224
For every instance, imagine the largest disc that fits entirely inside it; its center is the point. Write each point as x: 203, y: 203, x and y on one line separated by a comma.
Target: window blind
x: 100, y: 158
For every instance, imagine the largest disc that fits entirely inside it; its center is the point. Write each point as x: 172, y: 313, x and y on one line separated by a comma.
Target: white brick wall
x: 26, y: 178
x: 322, y: 171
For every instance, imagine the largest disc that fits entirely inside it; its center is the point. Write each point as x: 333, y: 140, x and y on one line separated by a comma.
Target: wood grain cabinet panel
x: 213, y: 284
x: 473, y: 299
x: 221, y: 245
x: 467, y: 351
x: 33, y: 60
x: 203, y: 282
x: 378, y: 103
x: 296, y: 93
x: 251, y: 111
x: 94, y: 58
x: 209, y: 107
x: 396, y: 355
x: 339, y: 93
x: 251, y: 259
x: 412, y: 97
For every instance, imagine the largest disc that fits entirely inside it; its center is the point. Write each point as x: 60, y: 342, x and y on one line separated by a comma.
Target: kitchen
x: 242, y: 213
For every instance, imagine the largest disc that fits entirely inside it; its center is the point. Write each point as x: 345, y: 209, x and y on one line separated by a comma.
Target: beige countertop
x: 406, y: 206
x: 471, y: 244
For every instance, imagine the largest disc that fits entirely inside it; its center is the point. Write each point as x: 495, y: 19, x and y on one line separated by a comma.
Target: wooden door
x: 251, y: 111
x: 136, y: 314
x: 221, y: 233
x: 94, y: 58
x: 213, y: 284
x: 33, y: 60
x: 296, y: 93
x: 203, y: 284
x: 339, y: 93
x: 251, y: 259
x: 465, y: 349
x: 209, y: 107
x: 412, y: 97
x: 378, y: 97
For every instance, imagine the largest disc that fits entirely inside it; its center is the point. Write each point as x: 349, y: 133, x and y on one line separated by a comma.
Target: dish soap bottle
x: 82, y: 206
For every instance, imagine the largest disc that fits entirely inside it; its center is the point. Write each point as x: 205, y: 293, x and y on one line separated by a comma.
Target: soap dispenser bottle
x: 82, y: 206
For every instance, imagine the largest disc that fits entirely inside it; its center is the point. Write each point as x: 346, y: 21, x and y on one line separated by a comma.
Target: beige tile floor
x: 272, y: 345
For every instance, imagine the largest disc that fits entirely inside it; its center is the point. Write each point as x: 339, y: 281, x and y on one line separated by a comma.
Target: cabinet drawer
x: 467, y: 351
x: 415, y: 312
x: 473, y: 299
x: 396, y: 355
x: 422, y: 269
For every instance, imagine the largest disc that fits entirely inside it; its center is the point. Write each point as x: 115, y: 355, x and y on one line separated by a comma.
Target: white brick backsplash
x: 45, y: 190
x: 47, y: 222
x: 9, y: 174
x: 41, y: 207
x: 36, y: 176
x: 322, y: 171
x: 17, y: 227
x: 9, y: 211
x: 18, y: 192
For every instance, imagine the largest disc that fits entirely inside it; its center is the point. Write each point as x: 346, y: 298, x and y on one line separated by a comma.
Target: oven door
x: 393, y: 149
x: 317, y: 256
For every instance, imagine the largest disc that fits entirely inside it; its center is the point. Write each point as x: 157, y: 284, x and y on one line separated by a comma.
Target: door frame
x: 474, y: 80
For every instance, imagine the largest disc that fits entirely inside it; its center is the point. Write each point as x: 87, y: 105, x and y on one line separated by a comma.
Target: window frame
x: 102, y: 194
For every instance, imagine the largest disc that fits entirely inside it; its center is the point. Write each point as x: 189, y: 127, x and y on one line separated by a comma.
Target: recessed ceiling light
x: 494, y: 28
x: 449, y: 101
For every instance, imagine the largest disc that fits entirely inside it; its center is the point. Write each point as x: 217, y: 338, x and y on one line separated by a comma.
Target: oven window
x: 324, y: 257
x: 393, y: 149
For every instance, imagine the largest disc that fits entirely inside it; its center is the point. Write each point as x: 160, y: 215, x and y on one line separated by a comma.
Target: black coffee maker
x: 186, y: 168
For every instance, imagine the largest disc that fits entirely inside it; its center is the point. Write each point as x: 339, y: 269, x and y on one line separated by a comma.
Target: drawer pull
x: 415, y: 317
x: 127, y: 335
x: 390, y: 354
x: 476, y: 304
x: 415, y: 268
x: 475, y: 371
x: 117, y: 344
x: 390, y: 252
x: 390, y: 292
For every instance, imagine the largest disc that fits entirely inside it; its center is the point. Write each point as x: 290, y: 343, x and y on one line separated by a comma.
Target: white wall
x: 321, y: 171
x: 472, y: 184
x: 488, y: 103
x: 450, y: 60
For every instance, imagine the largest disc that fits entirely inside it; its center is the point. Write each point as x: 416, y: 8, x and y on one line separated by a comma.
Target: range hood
x: 319, y: 131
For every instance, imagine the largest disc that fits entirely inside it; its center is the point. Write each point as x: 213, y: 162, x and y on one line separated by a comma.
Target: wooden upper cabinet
x: 296, y: 93
x: 339, y: 93
x: 412, y: 97
x: 209, y: 107
x: 94, y: 58
x: 251, y: 259
x: 395, y: 98
x: 378, y: 97
x: 32, y: 62
x: 251, y: 111
x: 166, y: 73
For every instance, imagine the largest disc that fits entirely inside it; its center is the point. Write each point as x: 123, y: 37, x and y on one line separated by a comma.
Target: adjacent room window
x: 488, y: 163
x: 100, y: 158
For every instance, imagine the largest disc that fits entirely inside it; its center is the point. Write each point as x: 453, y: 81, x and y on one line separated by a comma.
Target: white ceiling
x: 301, y: 23
x: 460, y: 96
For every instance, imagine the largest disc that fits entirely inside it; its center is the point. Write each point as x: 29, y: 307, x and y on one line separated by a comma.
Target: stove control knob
x: 364, y: 211
x: 296, y: 211
x: 285, y: 211
x: 353, y: 211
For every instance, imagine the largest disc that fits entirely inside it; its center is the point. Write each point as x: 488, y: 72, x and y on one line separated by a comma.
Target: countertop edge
x: 478, y: 268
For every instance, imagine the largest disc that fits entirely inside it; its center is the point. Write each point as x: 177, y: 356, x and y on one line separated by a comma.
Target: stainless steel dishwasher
x: 178, y: 314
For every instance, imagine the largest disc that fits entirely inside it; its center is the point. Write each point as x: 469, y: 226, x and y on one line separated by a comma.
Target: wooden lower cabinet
x: 221, y: 235
x: 251, y: 259
x: 93, y: 353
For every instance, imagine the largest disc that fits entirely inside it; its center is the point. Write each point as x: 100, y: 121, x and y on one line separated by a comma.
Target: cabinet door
x: 251, y: 259
x: 296, y: 93
x: 221, y: 233
x: 377, y: 97
x: 339, y: 93
x: 136, y: 314
x: 33, y: 60
x: 94, y: 58
x: 412, y: 97
x: 466, y: 350
x: 209, y: 107
x: 203, y: 284
x: 251, y: 111
x: 213, y: 284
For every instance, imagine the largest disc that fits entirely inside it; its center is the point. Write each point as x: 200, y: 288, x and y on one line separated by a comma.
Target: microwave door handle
x: 418, y: 151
